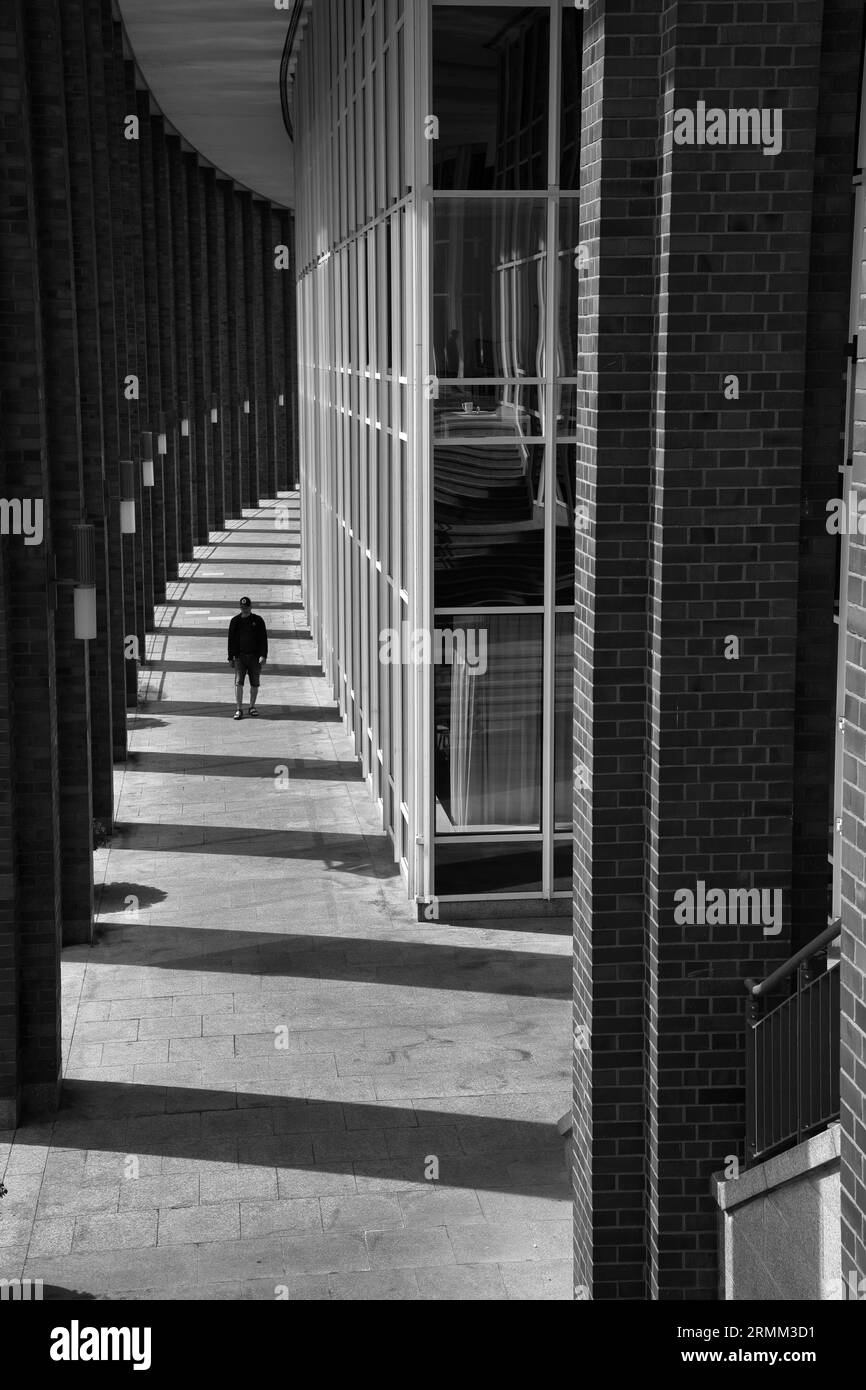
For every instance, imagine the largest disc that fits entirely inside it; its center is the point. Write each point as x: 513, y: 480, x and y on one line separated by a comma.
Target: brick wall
x: 700, y: 763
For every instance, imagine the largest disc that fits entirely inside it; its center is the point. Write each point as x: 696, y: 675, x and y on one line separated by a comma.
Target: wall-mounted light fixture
x: 84, y: 593
x: 214, y: 411
x: 127, y: 497
x: 184, y: 420
x: 147, y: 478
x: 281, y: 400
x: 83, y: 584
x: 162, y: 437
x: 246, y: 400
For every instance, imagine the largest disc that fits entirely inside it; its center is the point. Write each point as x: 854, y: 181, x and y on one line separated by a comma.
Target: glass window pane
x: 403, y: 677
x: 383, y: 450
x: 488, y: 524
x: 487, y: 712
x: 565, y: 404
x: 401, y: 107
x: 463, y: 869
x: 568, y: 289
x: 572, y: 62
x: 405, y: 530
x: 563, y: 866
x: 505, y: 408
x: 384, y: 730
x: 489, y: 266
x: 566, y: 470
x: 490, y: 94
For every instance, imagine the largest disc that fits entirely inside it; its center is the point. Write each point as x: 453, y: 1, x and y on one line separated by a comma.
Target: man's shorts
x: 247, y: 666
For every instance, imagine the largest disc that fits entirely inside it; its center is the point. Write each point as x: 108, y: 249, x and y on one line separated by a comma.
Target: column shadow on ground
x: 292, y: 1133
x: 407, y: 963
x: 335, y: 850
x: 222, y: 765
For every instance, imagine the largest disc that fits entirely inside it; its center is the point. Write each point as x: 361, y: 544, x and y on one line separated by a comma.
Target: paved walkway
x: 266, y: 1056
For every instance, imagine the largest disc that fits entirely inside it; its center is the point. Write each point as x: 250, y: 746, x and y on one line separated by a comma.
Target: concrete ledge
x: 813, y: 1153
x: 470, y: 909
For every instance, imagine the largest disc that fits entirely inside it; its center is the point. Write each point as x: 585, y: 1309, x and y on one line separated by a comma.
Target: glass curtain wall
x: 437, y: 158
x: 505, y: 91
x: 353, y: 97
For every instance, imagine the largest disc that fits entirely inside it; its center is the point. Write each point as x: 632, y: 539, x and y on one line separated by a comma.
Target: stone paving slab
x: 267, y: 1060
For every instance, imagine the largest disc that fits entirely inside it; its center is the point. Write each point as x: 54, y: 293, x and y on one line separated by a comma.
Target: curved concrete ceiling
x: 214, y: 67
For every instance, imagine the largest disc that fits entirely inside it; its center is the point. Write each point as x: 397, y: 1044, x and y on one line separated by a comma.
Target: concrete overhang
x: 213, y: 68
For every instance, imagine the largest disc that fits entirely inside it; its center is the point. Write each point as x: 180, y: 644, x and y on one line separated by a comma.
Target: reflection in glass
x: 565, y: 410
x: 572, y: 62
x: 487, y: 869
x: 488, y: 288
x: 488, y: 726
x: 490, y: 95
x: 563, y: 866
x: 566, y: 469
x: 488, y: 524
x: 505, y: 408
x: 569, y: 289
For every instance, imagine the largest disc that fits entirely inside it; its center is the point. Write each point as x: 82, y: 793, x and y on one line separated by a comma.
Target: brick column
x: 841, y: 52
x: 137, y: 547
x: 263, y: 270
x: 218, y: 347
x: 290, y: 328
x: 71, y: 411
x: 200, y: 412
x: 183, y: 328
x: 10, y: 1021
x: 281, y: 386
x: 612, y: 589
x: 240, y: 270
x: 30, y: 904
x: 252, y: 287
x: 106, y: 122
x: 270, y: 287
x: 20, y: 436
x: 82, y: 63
x: 131, y: 361
x: 154, y: 498
x: 235, y: 382
x: 168, y: 352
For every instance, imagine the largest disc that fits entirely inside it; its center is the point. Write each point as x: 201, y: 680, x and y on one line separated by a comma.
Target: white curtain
x: 495, y: 743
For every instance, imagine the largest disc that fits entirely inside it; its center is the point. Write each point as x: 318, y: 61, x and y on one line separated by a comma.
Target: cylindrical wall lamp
x: 214, y: 411
x: 246, y: 400
x: 147, y: 478
x: 84, y: 593
x: 162, y: 437
x: 127, y: 497
x: 184, y: 420
x: 281, y: 400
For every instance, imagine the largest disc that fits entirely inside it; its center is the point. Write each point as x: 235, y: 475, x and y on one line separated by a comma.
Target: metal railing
x: 792, y: 1052
x: 284, y: 66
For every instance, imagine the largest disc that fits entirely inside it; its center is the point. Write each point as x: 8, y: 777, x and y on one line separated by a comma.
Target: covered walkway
x: 267, y: 1061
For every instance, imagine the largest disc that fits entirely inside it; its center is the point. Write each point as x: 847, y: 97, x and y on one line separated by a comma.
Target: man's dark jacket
x: 259, y: 630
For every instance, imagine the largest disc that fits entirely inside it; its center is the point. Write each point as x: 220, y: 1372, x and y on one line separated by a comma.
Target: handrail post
x: 754, y: 1009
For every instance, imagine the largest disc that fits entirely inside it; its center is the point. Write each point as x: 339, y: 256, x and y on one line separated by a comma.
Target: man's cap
x: 246, y: 602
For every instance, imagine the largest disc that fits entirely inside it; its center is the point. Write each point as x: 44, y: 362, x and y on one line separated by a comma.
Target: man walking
x: 248, y: 652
